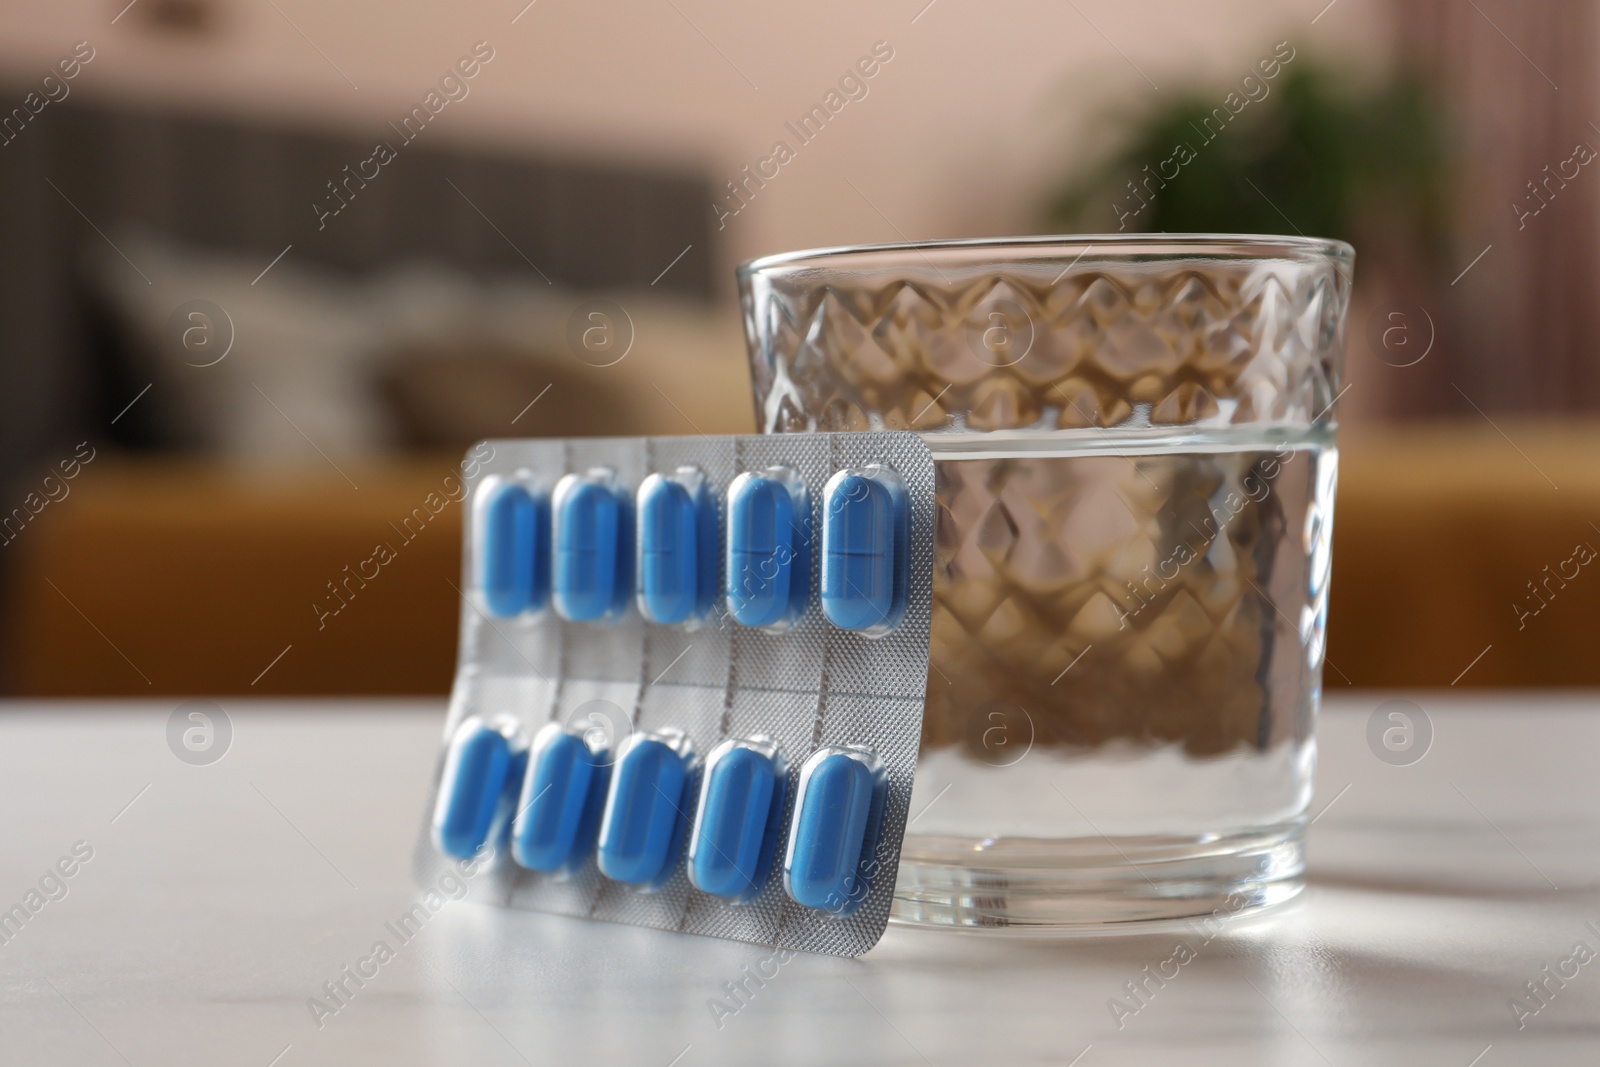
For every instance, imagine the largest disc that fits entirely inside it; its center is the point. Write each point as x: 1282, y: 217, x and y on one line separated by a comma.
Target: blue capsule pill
x: 475, y: 794
x: 832, y: 839
x: 515, y: 568
x: 865, y: 550
x: 769, y: 549
x: 740, y: 814
x: 642, y: 829
x: 562, y: 793
x: 677, y: 547
x: 594, y: 553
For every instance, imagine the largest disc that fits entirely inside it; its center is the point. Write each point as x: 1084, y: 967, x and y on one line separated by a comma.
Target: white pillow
x: 308, y: 343
x: 297, y: 368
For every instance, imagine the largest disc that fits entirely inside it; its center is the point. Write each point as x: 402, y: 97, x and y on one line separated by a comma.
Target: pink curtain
x: 1521, y: 328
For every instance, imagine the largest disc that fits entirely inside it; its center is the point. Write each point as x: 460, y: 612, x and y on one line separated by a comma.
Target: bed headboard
x: 83, y: 168
x: 344, y: 201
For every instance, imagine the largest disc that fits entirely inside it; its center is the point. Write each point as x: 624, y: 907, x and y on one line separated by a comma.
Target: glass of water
x: 1134, y: 438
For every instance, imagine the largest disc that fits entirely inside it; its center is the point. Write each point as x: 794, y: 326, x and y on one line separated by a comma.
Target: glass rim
x: 1154, y: 245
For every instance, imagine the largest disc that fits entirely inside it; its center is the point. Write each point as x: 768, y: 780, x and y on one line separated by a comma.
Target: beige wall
x: 957, y: 136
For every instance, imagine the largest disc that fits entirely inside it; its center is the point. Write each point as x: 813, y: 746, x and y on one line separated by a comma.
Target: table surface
x: 216, y: 900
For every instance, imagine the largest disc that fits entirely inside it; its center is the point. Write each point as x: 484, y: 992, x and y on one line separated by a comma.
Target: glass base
x: 1094, y: 885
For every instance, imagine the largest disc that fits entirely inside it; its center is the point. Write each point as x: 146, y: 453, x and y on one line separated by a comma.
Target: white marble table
x: 219, y: 898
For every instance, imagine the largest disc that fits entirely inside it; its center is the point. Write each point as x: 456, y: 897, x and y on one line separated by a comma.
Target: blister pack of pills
x: 690, y: 684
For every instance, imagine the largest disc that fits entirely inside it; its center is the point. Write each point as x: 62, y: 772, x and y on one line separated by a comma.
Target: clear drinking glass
x: 1134, y: 439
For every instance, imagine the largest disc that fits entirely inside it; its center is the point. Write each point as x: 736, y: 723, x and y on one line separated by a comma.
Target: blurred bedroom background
x: 269, y: 266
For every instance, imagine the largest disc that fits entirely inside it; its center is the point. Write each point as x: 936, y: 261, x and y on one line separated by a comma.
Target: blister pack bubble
x: 690, y: 683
